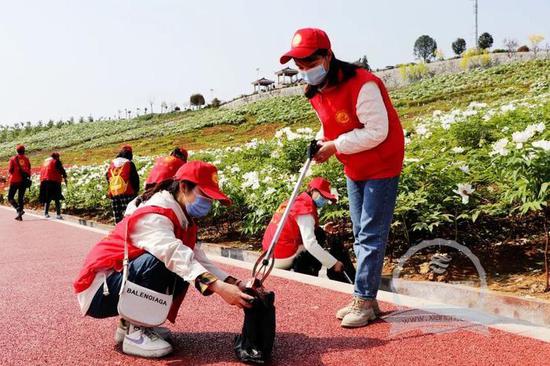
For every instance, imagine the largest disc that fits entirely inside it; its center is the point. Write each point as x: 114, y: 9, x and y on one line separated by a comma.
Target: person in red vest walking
x: 123, y: 182
x: 52, y: 174
x: 360, y: 126
x: 298, y: 247
x: 166, y: 166
x: 19, y: 170
x: 162, y: 251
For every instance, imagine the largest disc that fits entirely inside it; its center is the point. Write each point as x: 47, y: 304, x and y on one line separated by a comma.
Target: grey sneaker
x: 362, y: 311
x: 340, y: 314
x: 59, y: 217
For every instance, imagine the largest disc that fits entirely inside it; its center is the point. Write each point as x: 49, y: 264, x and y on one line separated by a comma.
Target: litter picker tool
x: 264, y: 264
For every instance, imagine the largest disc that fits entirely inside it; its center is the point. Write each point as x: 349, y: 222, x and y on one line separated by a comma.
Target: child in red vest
x: 123, y: 181
x: 52, y: 174
x: 162, y: 251
x: 360, y: 126
x: 298, y: 247
x: 19, y: 170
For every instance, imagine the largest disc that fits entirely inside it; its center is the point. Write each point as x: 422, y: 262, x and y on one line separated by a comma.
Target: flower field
x: 477, y: 156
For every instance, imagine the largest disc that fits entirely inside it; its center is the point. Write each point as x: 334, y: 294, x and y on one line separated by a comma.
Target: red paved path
x: 41, y: 323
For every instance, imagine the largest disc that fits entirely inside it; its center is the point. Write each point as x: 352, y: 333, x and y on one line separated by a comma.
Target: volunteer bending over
x: 297, y: 246
x: 162, y: 251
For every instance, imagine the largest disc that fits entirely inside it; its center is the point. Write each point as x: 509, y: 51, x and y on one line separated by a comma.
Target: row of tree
x: 425, y: 47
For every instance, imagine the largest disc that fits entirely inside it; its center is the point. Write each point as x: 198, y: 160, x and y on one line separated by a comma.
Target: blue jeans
x: 371, y: 204
x: 145, y: 270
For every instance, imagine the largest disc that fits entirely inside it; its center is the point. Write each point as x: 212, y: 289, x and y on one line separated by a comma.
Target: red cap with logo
x: 305, y: 42
x: 205, y: 176
x: 323, y: 186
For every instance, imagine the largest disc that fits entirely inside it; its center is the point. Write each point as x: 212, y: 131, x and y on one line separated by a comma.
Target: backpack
x: 117, y: 184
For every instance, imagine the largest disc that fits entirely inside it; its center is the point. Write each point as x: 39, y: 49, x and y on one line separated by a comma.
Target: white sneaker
x: 59, y: 217
x: 47, y: 215
x: 122, y: 329
x: 144, y: 342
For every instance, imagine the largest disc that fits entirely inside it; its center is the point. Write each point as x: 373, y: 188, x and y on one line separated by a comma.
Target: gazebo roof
x: 287, y: 71
x: 263, y: 82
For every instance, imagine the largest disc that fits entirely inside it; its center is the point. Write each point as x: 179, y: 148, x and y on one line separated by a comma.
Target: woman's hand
x: 326, y: 150
x: 231, y: 294
x: 338, y: 267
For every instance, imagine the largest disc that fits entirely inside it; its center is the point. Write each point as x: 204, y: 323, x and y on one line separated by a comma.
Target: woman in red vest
x: 19, y: 170
x: 123, y: 182
x: 360, y: 126
x: 162, y: 251
x: 298, y: 246
x: 52, y: 174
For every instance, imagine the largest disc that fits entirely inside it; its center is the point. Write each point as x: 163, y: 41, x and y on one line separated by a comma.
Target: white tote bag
x: 140, y: 305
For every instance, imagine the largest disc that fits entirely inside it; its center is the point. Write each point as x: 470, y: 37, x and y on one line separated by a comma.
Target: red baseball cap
x: 323, y: 186
x: 127, y: 147
x: 205, y: 176
x: 305, y: 42
x: 19, y: 148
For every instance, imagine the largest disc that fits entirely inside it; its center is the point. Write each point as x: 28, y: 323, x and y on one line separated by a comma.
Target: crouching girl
x: 161, y: 239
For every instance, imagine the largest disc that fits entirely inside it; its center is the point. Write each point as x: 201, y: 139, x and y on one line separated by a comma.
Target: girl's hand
x: 232, y: 294
x: 326, y: 150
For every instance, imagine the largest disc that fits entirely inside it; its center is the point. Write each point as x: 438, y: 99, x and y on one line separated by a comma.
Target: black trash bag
x: 335, y: 243
x: 305, y: 263
x: 255, y: 344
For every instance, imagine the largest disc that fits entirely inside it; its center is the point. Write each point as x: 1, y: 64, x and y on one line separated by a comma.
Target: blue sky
x: 63, y: 58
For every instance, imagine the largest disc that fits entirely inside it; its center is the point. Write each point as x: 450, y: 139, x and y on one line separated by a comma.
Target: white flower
x: 474, y: 105
x: 464, y: 190
x: 437, y: 113
x: 464, y: 168
x: 458, y: 150
x: 499, y: 147
x: 523, y: 136
x: 539, y: 127
x: 305, y: 131
x: 275, y: 154
x: 508, y: 107
x: 269, y: 191
x: 235, y: 169
x: 542, y: 144
x: 421, y: 130
x: 251, y: 180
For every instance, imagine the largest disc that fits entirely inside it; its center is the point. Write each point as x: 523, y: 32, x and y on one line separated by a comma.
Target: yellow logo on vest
x: 342, y: 117
x: 296, y: 40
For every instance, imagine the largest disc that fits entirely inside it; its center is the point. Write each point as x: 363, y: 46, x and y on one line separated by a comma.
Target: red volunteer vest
x: 337, y: 111
x: 164, y: 168
x: 109, y: 252
x: 19, y: 163
x: 48, y: 171
x: 122, y: 175
x: 290, y: 238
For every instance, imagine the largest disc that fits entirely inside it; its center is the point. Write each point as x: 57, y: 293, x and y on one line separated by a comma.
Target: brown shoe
x: 362, y: 311
x: 340, y: 314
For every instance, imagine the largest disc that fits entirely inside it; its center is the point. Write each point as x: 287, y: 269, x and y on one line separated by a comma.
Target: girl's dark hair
x: 170, y: 185
x: 339, y: 72
x: 124, y: 153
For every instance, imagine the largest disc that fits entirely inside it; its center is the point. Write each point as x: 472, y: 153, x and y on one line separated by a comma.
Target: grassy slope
x: 94, y: 142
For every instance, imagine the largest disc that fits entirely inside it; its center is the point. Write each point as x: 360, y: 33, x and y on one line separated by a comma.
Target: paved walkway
x: 41, y: 322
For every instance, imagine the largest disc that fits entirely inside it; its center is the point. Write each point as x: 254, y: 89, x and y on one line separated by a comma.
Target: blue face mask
x: 320, y: 201
x: 200, y: 207
x: 315, y: 75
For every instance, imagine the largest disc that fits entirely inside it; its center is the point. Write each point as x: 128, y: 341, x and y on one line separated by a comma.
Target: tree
x: 535, y: 40
x: 459, y: 46
x: 485, y: 41
x: 197, y: 100
x: 363, y: 62
x: 215, y: 103
x: 163, y: 107
x: 511, y: 46
x: 425, y: 47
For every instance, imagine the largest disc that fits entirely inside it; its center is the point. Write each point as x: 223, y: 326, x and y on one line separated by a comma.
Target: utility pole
x: 476, y: 35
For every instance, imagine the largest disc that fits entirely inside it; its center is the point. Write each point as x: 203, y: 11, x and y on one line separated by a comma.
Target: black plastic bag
x: 255, y: 344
